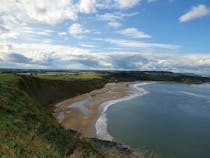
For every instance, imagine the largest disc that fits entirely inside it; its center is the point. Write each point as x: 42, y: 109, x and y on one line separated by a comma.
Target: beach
x: 81, y: 112
x: 86, y: 113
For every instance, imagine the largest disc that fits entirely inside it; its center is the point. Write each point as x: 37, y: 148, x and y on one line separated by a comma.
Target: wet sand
x: 81, y: 112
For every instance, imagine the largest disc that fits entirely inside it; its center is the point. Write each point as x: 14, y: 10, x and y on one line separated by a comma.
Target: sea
x: 169, y: 120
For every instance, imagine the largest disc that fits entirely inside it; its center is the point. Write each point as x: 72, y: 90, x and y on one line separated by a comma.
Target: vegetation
x: 71, y: 76
x: 155, y: 76
x: 28, y: 130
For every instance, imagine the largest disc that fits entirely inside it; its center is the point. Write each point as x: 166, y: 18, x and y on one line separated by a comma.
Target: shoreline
x: 101, y: 123
x: 86, y: 113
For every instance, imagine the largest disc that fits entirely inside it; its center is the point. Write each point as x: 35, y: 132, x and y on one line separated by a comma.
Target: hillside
x: 28, y: 130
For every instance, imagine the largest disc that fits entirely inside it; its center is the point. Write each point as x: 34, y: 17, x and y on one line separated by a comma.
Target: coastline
x: 86, y: 113
x: 101, y: 123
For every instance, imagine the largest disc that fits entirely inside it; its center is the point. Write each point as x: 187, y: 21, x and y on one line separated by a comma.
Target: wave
x: 101, y: 123
x: 193, y: 94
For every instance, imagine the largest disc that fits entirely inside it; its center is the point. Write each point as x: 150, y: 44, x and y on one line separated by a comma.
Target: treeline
x: 154, y: 76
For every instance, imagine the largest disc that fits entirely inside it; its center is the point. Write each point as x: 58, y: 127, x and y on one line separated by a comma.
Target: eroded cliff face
x: 48, y: 91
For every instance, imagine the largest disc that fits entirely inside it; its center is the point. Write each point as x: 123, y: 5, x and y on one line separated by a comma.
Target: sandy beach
x: 81, y: 112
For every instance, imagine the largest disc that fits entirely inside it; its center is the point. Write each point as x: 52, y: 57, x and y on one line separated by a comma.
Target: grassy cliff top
x: 69, y: 76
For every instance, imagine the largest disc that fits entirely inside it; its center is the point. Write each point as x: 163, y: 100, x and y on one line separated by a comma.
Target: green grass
x: 28, y: 130
x: 72, y: 76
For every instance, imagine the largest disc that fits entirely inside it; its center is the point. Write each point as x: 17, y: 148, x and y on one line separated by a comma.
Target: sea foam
x: 101, y: 123
x: 193, y: 94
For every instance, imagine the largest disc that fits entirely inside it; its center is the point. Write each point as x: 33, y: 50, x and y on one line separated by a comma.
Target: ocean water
x: 101, y: 123
x: 172, y: 120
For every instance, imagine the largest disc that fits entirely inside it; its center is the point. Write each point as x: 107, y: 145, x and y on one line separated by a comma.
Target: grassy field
x: 27, y: 130
x: 71, y: 76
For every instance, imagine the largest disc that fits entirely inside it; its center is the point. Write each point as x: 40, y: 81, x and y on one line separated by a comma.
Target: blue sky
x: 170, y: 35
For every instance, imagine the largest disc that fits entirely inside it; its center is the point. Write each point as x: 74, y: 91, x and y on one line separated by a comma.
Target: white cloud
x: 124, y: 4
x: 38, y: 51
x: 77, y: 30
x: 17, y: 15
x: 6, y: 33
x: 37, y: 11
x: 35, y: 31
x: 62, y: 33
x: 137, y: 44
x: 134, y: 33
x: 39, y: 55
x: 114, y: 18
x: 114, y: 24
x: 5, y: 47
x: 52, y: 11
x: 196, y: 12
x: 87, y: 45
x: 25, y: 33
x: 116, y: 4
x: 19, y: 19
x: 87, y: 6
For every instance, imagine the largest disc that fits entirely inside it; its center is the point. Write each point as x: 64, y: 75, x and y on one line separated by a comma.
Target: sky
x: 156, y: 35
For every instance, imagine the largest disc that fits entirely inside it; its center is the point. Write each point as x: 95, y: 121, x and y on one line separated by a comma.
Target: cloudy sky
x: 172, y: 35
